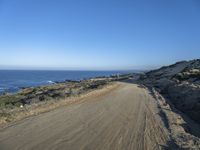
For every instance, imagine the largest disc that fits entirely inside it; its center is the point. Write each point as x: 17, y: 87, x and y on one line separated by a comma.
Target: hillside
x: 180, y: 83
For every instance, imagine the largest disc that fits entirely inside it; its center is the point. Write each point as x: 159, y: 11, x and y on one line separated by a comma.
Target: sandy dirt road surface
x: 122, y: 119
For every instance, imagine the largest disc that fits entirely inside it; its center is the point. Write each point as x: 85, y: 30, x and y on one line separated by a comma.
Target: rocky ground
x: 177, y: 91
x: 180, y: 83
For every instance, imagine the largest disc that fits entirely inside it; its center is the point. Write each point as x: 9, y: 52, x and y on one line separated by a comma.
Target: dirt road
x: 123, y: 119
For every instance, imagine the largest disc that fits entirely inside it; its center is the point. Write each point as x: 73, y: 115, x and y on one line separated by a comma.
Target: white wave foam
x: 50, y: 82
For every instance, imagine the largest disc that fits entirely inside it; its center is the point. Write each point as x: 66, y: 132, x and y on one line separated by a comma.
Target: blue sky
x: 97, y: 34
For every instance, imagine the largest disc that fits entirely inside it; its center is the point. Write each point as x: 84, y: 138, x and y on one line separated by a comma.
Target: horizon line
x: 73, y: 69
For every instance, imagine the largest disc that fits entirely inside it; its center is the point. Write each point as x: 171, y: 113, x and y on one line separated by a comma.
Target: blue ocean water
x: 13, y: 80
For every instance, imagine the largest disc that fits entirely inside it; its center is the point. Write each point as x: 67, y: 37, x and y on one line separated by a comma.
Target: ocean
x: 13, y: 80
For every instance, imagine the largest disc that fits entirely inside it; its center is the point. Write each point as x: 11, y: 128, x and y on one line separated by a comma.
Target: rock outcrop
x: 180, y: 83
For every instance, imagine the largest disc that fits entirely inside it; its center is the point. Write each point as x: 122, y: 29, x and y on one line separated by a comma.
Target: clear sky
x: 97, y: 34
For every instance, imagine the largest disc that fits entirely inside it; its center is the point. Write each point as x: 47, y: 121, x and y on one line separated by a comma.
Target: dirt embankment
x: 183, y: 131
x: 180, y: 83
x: 177, y: 91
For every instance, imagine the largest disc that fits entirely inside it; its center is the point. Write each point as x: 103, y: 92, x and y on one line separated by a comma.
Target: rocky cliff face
x: 180, y: 83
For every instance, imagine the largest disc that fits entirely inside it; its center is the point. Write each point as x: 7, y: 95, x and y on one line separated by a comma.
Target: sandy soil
x: 122, y: 119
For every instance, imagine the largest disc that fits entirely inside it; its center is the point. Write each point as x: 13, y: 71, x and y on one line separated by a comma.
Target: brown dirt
x: 122, y: 119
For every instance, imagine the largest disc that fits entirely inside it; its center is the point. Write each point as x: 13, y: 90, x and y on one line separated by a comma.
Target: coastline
x: 12, y: 81
x: 33, y: 101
